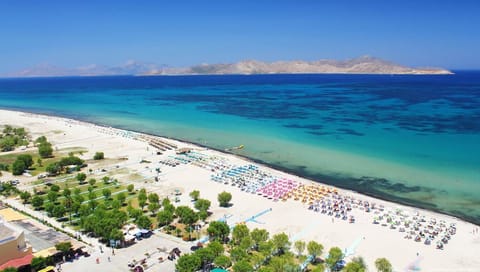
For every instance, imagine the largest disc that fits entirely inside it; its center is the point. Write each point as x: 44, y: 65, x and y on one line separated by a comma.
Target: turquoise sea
x: 409, y: 139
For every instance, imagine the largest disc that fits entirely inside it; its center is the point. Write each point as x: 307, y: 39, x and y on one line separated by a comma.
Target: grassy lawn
x: 35, y: 169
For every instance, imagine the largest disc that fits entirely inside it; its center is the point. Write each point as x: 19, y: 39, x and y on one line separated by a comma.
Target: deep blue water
x: 411, y: 139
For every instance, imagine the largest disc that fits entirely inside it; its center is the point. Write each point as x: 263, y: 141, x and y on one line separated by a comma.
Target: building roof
x: 6, y: 233
x: 9, y: 214
x: 18, y: 262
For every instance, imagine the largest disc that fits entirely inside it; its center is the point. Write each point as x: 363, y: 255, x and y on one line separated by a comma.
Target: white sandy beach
x: 362, y: 238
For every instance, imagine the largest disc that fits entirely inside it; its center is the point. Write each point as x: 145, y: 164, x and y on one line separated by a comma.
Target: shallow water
x: 411, y: 139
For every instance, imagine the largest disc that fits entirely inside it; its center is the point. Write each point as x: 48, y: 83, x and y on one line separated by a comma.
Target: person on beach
x: 98, y: 260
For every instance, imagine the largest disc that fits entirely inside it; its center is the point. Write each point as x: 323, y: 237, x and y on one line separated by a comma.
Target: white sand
x: 292, y: 217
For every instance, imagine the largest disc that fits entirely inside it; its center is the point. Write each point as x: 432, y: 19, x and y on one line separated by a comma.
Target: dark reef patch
x: 350, y: 132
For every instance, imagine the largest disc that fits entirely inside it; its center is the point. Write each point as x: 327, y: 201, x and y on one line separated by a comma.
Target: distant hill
x: 48, y: 70
x: 361, y: 65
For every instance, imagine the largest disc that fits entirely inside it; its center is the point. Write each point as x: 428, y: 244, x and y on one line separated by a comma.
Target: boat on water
x: 235, y: 148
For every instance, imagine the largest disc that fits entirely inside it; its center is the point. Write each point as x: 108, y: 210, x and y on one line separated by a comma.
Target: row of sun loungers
x: 319, y: 198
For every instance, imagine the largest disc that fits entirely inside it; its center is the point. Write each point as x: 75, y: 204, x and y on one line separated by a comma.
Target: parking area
x: 39, y: 236
x: 152, y: 252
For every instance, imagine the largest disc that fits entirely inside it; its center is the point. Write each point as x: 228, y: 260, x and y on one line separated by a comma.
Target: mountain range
x: 361, y: 65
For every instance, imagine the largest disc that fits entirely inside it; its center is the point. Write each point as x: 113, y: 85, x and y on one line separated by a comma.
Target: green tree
x: 45, y: 150
x: 266, y: 248
x: 247, y: 243
x: 135, y: 213
x: 224, y: 199
x: 194, y: 195
x: 41, y: 139
x: 84, y: 210
x: 242, y: 266
x: 319, y: 268
x: 98, y: 156
x: 76, y: 206
x: 169, y: 207
x: 58, y: 211
x: 353, y: 267
x: 92, y: 182
x: 278, y: 263
x: 334, y: 256
x: 55, y: 188
x: 153, y: 207
x: 7, y: 144
x: 81, y: 177
x: 77, y: 191
x: 153, y: 198
x: 92, y: 195
x: 53, y: 168
x: 206, y: 255
x: 18, y: 167
x: 222, y: 261
x: 280, y: 242
x: 37, y: 202
x: 64, y: 247
x: 116, y: 204
x: 39, y: 162
x: 218, y: 230
x: 117, y: 235
x: 27, y: 160
x: 202, y: 204
x: 130, y: 188
x: 49, y: 208
x: 202, y: 215
x: 106, y: 179
x: 164, y: 218
x: 238, y: 253
x: 38, y: 263
x: 106, y: 193
x: 188, y: 263
x: 216, y: 247
x: 315, y: 249
x: 52, y: 196
x: 383, y: 265
x: 259, y: 235
x: 143, y: 222
x: 299, y: 247
x: 67, y: 193
x: 142, y: 199
x: 121, y: 197
x: 25, y: 196
x: 239, y: 232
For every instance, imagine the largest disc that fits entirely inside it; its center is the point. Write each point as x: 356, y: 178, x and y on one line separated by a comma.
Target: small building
x: 14, y: 250
x: 183, y: 150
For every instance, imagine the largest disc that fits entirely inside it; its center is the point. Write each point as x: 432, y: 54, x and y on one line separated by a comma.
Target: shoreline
x: 322, y: 180
x: 293, y: 217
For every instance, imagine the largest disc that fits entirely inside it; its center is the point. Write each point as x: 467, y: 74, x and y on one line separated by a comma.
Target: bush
x: 224, y: 199
x: 98, y: 156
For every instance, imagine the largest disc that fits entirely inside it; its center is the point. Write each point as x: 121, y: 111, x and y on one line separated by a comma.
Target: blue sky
x: 180, y: 33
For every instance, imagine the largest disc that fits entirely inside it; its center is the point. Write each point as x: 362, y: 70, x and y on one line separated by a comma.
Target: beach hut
x: 183, y: 150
